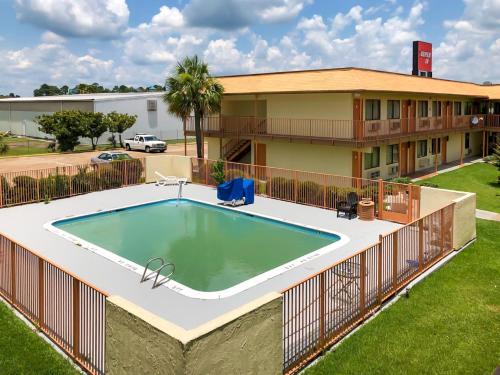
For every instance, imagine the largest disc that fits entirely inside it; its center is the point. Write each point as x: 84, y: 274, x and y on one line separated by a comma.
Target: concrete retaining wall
x: 247, y: 340
x: 464, y: 214
x: 168, y: 165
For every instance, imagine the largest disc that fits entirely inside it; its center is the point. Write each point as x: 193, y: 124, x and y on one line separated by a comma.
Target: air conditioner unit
x: 373, y: 126
x: 393, y: 170
x: 375, y: 174
x: 425, y: 123
x: 423, y: 163
x: 395, y: 125
x: 152, y: 105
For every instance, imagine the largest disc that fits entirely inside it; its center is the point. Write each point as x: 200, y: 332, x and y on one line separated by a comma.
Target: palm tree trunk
x: 197, y: 130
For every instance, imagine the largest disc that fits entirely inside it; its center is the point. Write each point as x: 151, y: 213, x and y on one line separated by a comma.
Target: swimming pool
x: 217, y: 252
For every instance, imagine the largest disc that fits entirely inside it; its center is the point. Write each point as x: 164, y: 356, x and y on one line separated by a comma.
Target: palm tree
x: 192, y: 90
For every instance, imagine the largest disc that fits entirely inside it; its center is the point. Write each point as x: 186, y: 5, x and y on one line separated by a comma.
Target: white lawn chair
x: 162, y: 180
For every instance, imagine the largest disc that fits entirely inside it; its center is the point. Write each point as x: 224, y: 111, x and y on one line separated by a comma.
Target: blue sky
x: 138, y: 42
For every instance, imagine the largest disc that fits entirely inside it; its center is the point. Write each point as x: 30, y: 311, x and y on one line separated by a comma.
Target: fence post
x: 410, y: 203
x: 395, y: 261
x: 206, y: 170
x: 126, y: 172
x: 295, y: 186
x: 442, y: 230
x: 380, y: 199
x: 76, y: 318
x: 322, y: 314
x: 1, y: 192
x: 13, y: 272
x: 324, y: 190
x: 379, y: 269
x: 420, y: 244
x: 41, y: 294
x: 362, y: 282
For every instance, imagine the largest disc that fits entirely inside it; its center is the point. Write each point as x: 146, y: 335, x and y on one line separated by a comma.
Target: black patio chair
x: 350, y: 206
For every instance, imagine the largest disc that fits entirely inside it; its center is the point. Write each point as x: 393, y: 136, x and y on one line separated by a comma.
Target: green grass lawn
x: 450, y: 324
x: 480, y: 178
x: 23, y: 352
x: 25, y: 146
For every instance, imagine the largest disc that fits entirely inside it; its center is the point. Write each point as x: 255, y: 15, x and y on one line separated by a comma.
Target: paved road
x: 60, y: 160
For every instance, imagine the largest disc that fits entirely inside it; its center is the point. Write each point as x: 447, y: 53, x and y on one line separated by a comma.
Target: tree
x: 119, y: 122
x: 4, y: 147
x: 191, y: 89
x: 94, y: 126
x: 47, y: 90
x: 66, y: 126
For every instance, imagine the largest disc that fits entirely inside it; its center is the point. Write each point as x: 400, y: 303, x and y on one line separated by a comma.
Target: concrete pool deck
x: 25, y: 224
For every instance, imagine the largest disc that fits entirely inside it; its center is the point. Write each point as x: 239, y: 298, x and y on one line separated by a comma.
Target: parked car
x: 109, y: 156
x: 145, y: 142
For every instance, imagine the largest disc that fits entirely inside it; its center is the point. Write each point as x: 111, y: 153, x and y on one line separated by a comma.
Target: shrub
x: 309, y: 192
x: 5, y: 190
x: 218, y: 172
x: 110, y: 176
x: 401, y: 180
x: 429, y: 184
x: 54, y: 186
x: 25, y: 188
x: 282, y: 187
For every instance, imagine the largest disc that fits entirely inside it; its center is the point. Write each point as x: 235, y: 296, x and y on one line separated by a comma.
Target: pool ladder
x: 157, y: 271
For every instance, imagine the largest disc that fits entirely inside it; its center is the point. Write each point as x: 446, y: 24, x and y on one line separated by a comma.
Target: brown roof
x: 350, y: 80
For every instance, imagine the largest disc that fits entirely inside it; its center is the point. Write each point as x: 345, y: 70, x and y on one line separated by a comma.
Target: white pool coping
x: 181, y: 288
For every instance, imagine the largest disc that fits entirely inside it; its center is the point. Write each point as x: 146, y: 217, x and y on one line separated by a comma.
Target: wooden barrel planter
x: 366, y: 209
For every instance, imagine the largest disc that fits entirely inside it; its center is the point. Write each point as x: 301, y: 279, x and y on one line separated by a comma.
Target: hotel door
x: 403, y: 164
x: 412, y: 114
x: 412, y: 150
x: 404, y: 116
x: 260, y: 154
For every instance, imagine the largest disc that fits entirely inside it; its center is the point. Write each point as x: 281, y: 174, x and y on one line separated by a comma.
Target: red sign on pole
x: 424, y: 53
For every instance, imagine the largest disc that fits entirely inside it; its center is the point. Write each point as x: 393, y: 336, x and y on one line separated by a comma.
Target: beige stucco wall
x: 168, y: 165
x: 247, y: 340
x: 251, y: 344
x: 135, y: 346
x: 306, y: 157
x: 464, y: 217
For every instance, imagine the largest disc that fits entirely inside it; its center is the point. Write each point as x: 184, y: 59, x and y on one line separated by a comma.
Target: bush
x: 401, y: 180
x: 309, y: 192
x: 25, y: 188
x: 282, y: 187
x: 429, y: 184
x: 5, y: 190
x: 218, y: 172
x: 54, y: 186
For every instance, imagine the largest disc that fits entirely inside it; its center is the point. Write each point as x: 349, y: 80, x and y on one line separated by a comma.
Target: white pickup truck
x: 145, y: 142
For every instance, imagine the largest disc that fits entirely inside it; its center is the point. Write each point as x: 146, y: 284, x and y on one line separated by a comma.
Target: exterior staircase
x: 236, y: 148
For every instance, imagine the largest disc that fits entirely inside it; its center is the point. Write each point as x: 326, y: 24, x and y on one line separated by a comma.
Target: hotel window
x: 467, y: 140
x: 422, y: 148
x: 423, y: 108
x: 436, y: 146
x: 393, y: 109
x: 468, y: 108
x: 392, y: 154
x: 372, y: 160
x: 457, y: 108
x: 372, y: 109
x: 436, y: 108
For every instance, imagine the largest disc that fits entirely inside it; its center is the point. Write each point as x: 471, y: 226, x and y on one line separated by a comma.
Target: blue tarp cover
x: 236, y: 189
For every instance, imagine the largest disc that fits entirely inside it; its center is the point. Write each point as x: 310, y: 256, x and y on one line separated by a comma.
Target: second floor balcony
x: 338, y: 131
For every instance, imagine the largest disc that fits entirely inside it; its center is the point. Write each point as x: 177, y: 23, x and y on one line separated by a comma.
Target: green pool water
x: 212, y: 248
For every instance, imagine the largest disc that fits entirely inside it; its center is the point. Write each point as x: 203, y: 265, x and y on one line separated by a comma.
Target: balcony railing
x: 336, y: 130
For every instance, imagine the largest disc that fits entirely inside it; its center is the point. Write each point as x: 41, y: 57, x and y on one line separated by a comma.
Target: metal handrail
x: 146, y: 278
x: 166, y: 278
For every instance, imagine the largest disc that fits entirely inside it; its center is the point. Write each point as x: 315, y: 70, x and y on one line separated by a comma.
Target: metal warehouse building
x: 17, y: 115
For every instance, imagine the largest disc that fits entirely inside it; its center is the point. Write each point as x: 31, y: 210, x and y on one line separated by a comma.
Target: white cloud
x: 237, y: 14
x: 50, y: 37
x: 25, y: 69
x: 76, y: 18
x: 470, y: 49
x: 168, y: 17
